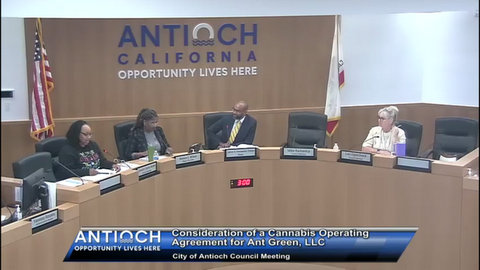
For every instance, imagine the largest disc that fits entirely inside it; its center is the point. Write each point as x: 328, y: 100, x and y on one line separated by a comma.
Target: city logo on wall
x: 199, y: 42
x: 172, y: 51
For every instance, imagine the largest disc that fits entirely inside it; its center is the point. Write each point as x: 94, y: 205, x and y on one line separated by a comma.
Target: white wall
x: 389, y: 58
x: 451, y: 59
x: 379, y: 61
x: 221, y: 8
x: 14, y: 70
x: 417, y: 57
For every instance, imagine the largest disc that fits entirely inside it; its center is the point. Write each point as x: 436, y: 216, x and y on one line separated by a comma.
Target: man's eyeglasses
x: 87, y: 134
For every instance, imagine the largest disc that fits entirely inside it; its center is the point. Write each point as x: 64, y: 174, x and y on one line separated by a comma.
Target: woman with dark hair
x: 82, y: 155
x: 145, y: 133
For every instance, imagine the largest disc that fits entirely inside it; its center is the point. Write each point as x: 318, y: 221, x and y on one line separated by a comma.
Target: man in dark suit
x: 239, y: 129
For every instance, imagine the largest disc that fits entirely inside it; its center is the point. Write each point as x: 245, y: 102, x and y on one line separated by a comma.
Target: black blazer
x: 245, y: 135
x: 138, y: 143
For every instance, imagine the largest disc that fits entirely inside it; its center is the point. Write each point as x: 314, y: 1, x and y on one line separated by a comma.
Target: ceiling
x: 223, y: 8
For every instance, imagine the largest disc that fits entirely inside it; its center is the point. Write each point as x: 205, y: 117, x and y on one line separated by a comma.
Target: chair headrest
x: 29, y: 164
x: 307, y: 120
x: 53, y: 145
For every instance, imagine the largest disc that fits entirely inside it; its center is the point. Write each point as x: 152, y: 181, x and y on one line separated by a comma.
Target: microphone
x: 373, y: 137
x: 116, y: 160
x: 56, y: 162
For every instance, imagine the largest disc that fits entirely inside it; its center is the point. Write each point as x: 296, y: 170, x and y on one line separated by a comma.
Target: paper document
x: 4, y: 217
x: 241, y: 146
x: 159, y: 157
x: 127, y: 166
x: 247, y: 146
x: 70, y: 182
x: 96, y: 178
x: 105, y: 171
x: 52, y: 194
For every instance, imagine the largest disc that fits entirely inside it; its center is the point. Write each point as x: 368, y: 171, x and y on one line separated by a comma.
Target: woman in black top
x: 145, y: 133
x: 82, y: 155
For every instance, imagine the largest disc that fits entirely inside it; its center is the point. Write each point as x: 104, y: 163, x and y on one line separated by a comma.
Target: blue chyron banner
x: 212, y: 244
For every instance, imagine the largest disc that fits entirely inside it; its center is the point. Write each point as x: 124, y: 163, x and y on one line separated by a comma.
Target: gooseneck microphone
x: 369, y: 139
x: 366, y: 140
x: 116, y: 160
x: 56, y: 162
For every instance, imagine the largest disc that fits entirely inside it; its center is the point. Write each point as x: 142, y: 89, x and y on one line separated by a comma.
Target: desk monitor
x: 34, y: 190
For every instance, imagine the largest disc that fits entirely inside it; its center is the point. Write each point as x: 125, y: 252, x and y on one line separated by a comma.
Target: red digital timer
x: 241, y: 183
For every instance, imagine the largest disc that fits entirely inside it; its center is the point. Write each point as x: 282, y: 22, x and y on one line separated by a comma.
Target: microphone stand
x: 56, y: 162
x: 369, y: 139
x: 366, y: 140
x: 116, y: 160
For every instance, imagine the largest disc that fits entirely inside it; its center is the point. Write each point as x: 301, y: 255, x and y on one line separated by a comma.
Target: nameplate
x: 147, y: 170
x: 110, y: 183
x: 356, y: 157
x: 298, y: 153
x: 188, y: 160
x: 413, y: 164
x: 45, y: 220
x: 241, y: 153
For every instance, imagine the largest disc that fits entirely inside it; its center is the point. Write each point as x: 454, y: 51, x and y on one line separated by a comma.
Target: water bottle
x: 18, y: 212
x: 335, y: 146
x: 155, y: 155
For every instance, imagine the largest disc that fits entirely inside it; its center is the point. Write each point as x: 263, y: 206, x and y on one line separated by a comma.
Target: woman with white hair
x: 382, y: 138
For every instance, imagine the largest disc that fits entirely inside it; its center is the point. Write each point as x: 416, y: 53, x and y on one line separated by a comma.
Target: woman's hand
x: 116, y: 168
x: 384, y: 152
x: 395, y: 133
x: 138, y: 155
x: 92, y: 172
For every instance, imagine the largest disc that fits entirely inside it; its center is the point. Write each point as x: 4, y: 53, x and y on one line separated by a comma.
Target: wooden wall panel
x: 292, y: 55
x: 470, y: 213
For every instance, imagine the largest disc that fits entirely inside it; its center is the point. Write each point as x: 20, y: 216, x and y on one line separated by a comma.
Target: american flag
x: 42, y: 120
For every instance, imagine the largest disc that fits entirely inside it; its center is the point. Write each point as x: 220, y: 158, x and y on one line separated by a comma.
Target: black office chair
x: 413, y: 132
x: 208, y: 120
x: 53, y: 145
x: 305, y: 129
x: 454, y: 136
x: 29, y: 164
x: 121, y: 131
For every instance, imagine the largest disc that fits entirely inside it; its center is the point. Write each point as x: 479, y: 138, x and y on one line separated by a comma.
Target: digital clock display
x: 241, y: 183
